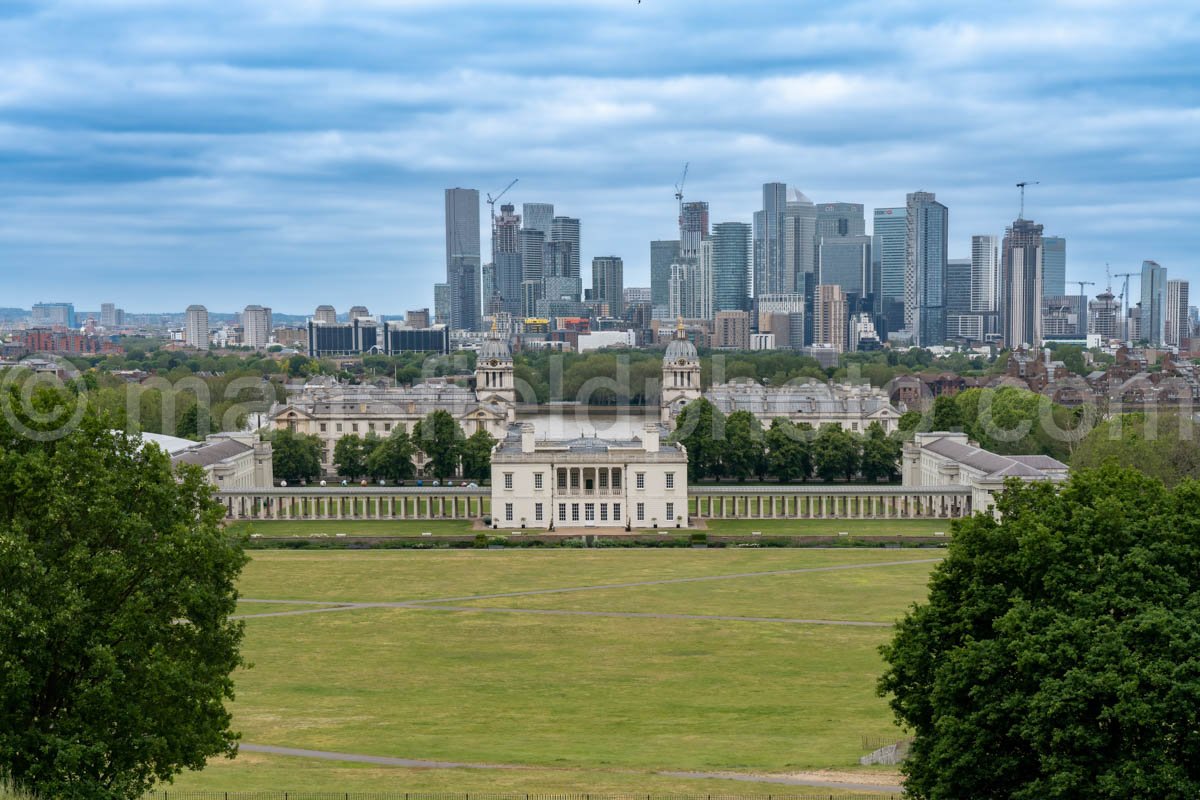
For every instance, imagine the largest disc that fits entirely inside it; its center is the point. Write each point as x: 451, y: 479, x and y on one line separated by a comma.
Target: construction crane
x: 492, y: 201
x: 679, y: 191
x: 1022, y: 186
x: 1082, y: 284
x: 1125, y: 298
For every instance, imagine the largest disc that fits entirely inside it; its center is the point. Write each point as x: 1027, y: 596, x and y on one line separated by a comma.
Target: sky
x: 158, y: 153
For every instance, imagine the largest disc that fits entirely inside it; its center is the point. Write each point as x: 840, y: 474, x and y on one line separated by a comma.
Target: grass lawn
x: 353, y: 527
x: 396, y: 575
x: 247, y: 607
x: 827, y: 527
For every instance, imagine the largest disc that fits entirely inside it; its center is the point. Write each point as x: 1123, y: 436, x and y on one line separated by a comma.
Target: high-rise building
x: 1054, y: 266
x: 538, y: 216
x: 663, y: 253
x: 836, y: 220
x: 845, y: 261
x: 256, y: 327
x: 829, y: 317
x: 732, y: 262
x: 195, y: 327
x: 1021, y: 284
x: 959, y: 272
x: 463, y: 259
x: 532, y: 244
x: 985, y: 273
x: 1153, y: 322
x: 357, y: 312
x: 508, y: 267
x: 608, y: 283
x: 108, y: 315
x: 635, y: 295
x: 784, y: 316
x: 693, y: 228
x: 325, y: 315
x: 889, y: 238
x: 799, y: 243
x: 928, y: 232
x: 692, y: 286
x: 1177, y: 327
x: 566, y: 229
x: 731, y: 330
x: 769, y: 273
x: 1104, y: 316
x: 52, y: 314
x: 417, y: 318
x: 1064, y: 316
x: 441, y: 303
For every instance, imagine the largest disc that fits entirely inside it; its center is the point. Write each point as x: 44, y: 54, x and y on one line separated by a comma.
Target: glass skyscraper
x: 663, y: 253
x: 1021, y: 283
x: 1154, y: 303
x: 462, y: 258
x: 1054, y: 266
x: 732, y: 252
x: 769, y: 273
x: 888, y: 255
x: 925, y: 268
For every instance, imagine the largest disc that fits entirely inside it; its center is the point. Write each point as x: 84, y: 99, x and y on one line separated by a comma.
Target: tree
x: 836, y: 453
x: 880, y: 454
x: 946, y: 414
x: 477, y: 455
x: 391, y: 459
x: 295, y: 456
x: 788, y: 455
x: 1058, y: 654
x: 700, y: 427
x: 1162, y: 446
x: 439, y: 437
x: 909, y: 421
x: 351, y: 454
x: 743, y: 454
x: 115, y: 632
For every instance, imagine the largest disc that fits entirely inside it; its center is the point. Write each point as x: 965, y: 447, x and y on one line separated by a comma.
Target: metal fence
x: 188, y: 795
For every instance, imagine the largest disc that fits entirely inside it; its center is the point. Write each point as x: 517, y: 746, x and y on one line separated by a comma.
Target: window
x: 641, y: 480
x: 562, y: 480
x: 537, y: 512
x: 616, y: 479
x: 508, y: 480
x: 508, y: 512
x: 354, y: 427
x: 589, y: 512
x: 387, y: 426
x: 670, y: 511
x: 641, y: 511
x: 537, y: 480
x: 371, y: 425
x: 616, y: 512
x: 562, y: 512
x: 322, y: 427
x: 670, y: 484
x: 339, y: 427
x: 604, y: 512
x: 574, y: 512
x: 603, y: 479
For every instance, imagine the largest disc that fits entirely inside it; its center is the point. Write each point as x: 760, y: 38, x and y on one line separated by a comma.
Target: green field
x: 830, y: 527
x: 581, y: 703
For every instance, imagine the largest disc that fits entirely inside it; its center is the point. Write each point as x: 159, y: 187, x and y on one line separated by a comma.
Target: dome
x: 494, y: 349
x: 680, y: 349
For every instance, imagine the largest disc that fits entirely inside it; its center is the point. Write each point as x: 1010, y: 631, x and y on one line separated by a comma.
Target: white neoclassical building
x: 230, y: 460
x: 588, y: 482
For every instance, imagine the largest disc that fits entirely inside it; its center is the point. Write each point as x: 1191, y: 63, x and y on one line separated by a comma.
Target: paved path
x: 391, y: 761
x: 646, y: 615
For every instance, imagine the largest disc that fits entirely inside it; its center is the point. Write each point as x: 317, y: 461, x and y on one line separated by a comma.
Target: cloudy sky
x: 157, y: 153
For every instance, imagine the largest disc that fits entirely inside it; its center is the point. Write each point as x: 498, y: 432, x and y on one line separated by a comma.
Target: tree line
x: 737, y: 446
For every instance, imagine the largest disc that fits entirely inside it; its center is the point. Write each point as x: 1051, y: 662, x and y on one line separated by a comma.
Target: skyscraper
x: 608, y: 283
x: 506, y: 258
x: 1054, y: 266
x: 1021, y: 284
x: 325, y: 315
x: 532, y: 246
x: 829, y: 317
x: 768, y: 242
x: 888, y: 256
x: 538, y: 216
x: 566, y: 229
x: 959, y: 272
x: 693, y: 228
x: 51, y: 314
x: 692, y: 285
x: 256, y: 327
x: 441, y: 303
x: 663, y: 253
x: 1104, y: 316
x: 1153, y: 321
x: 1177, y: 325
x: 840, y: 219
x: 195, y: 327
x: 845, y: 261
x: 462, y: 258
x: 925, y: 268
x: 799, y: 243
x: 985, y: 273
x: 732, y: 261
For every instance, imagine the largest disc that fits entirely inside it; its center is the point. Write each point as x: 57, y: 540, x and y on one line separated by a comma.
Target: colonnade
x: 351, y: 504
x: 883, y: 503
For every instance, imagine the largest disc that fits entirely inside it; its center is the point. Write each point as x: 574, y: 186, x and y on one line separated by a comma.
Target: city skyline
x: 203, y: 167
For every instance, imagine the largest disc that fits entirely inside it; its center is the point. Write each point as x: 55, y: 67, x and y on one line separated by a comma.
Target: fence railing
x: 171, y: 794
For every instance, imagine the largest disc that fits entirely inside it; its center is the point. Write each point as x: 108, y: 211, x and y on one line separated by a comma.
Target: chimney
x: 527, y: 438
x: 650, y: 436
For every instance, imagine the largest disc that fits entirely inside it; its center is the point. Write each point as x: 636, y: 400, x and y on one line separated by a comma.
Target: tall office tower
x: 560, y: 281
x: 731, y: 330
x: 608, y: 283
x: 538, y: 216
x: 51, y: 314
x: 846, y: 262
x: 441, y: 303
x: 1153, y: 322
x: 1104, y: 316
x: 768, y: 242
x: 635, y: 295
x: 889, y: 241
x: 925, y: 268
x: 840, y: 219
x: 508, y: 269
x: 1021, y: 284
x: 985, y: 273
x: 531, y: 243
x: 959, y: 272
x: 417, y: 318
x: 782, y: 315
x: 732, y: 262
x: 256, y: 327
x: 108, y: 315
x: 566, y: 229
x: 692, y: 287
x: 663, y: 253
x: 829, y: 317
x: 462, y: 258
x: 487, y: 289
x: 1054, y: 266
x: 693, y: 228
x: 1177, y: 329
x: 195, y: 327
x: 326, y: 315
x: 357, y: 312
x: 799, y: 241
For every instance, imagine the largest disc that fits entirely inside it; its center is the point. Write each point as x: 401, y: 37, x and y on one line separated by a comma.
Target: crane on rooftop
x: 1125, y: 299
x: 679, y: 192
x: 1082, y: 284
x: 492, y: 201
x: 1021, y: 185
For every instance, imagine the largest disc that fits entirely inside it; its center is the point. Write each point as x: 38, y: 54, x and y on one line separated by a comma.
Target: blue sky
x: 157, y: 153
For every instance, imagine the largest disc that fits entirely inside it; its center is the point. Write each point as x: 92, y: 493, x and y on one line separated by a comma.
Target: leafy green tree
x: 350, y: 455
x: 441, y: 440
x: 909, y: 421
x: 946, y: 414
x: 477, y: 455
x: 194, y: 422
x: 744, y: 451
x: 391, y: 459
x: 836, y: 453
x: 880, y: 454
x: 295, y: 456
x: 1163, y: 446
x: 788, y: 454
x: 698, y: 427
x: 117, y: 587
x: 1058, y: 654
